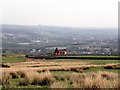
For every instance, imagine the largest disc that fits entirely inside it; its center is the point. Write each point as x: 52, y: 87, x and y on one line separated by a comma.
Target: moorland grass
x: 34, y: 78
x: 66, y: 77
x: 95, y: 80
x: 99, y: 79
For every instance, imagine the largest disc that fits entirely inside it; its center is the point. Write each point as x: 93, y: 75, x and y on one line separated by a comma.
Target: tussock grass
x: 0, y: 77
x: 61, y: 77
x: 35, y: 78
x: 47, y: 63
x: 99, y: 82
x: 5, y: 78
x: 28, y: 75
x: 95, y: 80
x: 14, y: 74
x: 6, y: 65
x: 108, y: 75
x: 59, y: 84
x: 65, y: 68
x: 77, y: 80
x: 112, y: 66
x: 21, y: 73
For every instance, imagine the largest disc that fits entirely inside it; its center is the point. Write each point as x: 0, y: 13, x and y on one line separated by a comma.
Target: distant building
x: 60, y: 52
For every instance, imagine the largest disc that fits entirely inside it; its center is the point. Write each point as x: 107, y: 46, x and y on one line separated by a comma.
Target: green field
x: 83, y: 57
x: 93, y: 59
x: 101, y: 69
x: 13, y: 58
x: 97, y: 61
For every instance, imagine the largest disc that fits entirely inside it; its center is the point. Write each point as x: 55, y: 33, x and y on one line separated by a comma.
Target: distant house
x: 60, y: 52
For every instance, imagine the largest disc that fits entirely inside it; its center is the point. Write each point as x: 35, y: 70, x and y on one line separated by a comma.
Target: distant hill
x: 37, y: 36
x: 53, y: 31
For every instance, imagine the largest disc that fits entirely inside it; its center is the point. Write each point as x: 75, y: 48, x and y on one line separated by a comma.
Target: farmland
x: 21, y: 72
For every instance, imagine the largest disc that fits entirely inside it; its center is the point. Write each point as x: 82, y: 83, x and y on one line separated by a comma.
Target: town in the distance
x: 45, y: 40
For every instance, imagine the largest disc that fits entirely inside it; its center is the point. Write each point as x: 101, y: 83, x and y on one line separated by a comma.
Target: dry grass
x: 5, y: 78
x: 112, y: 66
x: 21, y: 73
x: 77, y: 68
x: 30, y: 76
x: 99, y: 82
x: 14, y: 74
x: 47, y: 63
x: 6, y: 65
x: 95, y: 80
x: 59, y: 84
x: 34, y: 78
x: 77, y: 80
x: 41, y: 66
x: 0, y: 77
x: 101, y: 79
x: 108, y: 75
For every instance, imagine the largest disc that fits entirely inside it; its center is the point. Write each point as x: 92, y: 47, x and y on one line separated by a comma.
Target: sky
x: 72, y: 13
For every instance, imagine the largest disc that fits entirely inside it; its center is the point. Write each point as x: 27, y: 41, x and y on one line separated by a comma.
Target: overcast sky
x: 74, y: 13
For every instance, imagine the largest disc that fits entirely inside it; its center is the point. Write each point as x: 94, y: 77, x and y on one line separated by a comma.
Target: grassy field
x: 13, y: 58
x: 101, y: 69
x: 58, y: 73
x: 102, y: 61
x: 97, y: 61
x: 84, y: 57
x: 94, y: 59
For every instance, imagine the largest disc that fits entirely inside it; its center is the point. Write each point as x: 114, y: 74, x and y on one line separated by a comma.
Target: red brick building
x: 60, y: 52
